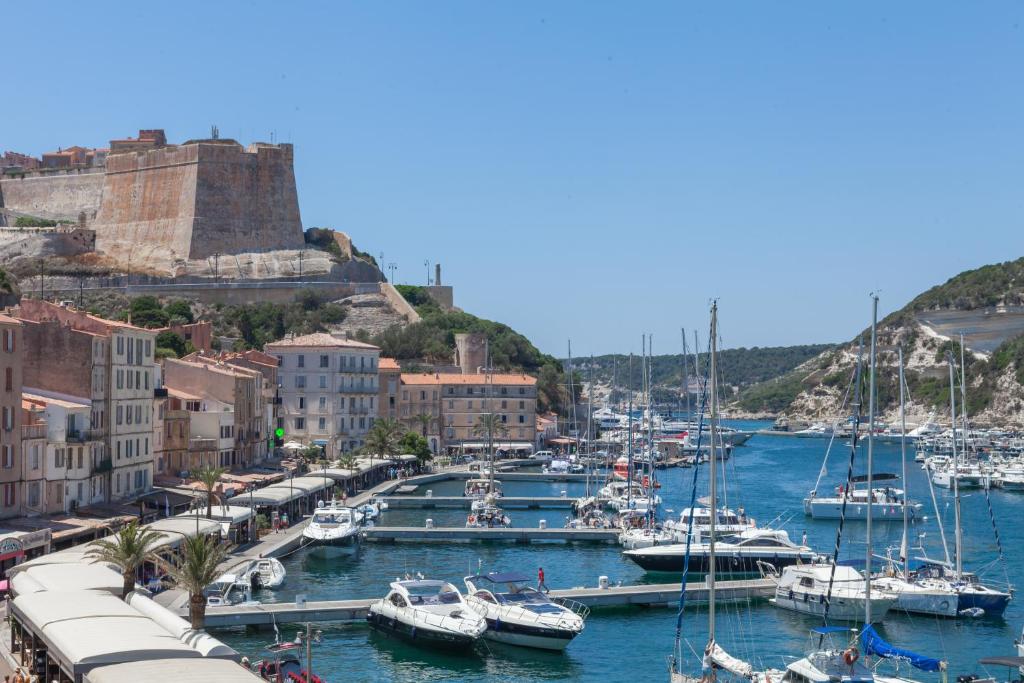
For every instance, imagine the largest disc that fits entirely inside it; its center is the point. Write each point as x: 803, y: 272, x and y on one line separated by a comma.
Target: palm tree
x: 424, y: 419
x: 127, y: 549
x: 347, y: 461
x: 196, y: 568
x: 383, y: 438
x: 489, y: 425
x: 209, y: 476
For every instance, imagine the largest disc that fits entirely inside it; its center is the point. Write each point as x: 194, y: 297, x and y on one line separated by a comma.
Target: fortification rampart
x: 197, y: 200
x: 53, y: 195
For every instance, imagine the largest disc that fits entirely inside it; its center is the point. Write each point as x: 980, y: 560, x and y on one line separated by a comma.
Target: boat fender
x: 850, y: 656
x: 472, y: 519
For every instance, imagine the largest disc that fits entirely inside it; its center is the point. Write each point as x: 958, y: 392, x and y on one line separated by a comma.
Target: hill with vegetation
x: 995, y: 380
x: 739, y: 368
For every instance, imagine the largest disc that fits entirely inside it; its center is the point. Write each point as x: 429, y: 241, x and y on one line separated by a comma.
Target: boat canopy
x: 726, y: 661
x: 875, y: 645
x: 881, y: 476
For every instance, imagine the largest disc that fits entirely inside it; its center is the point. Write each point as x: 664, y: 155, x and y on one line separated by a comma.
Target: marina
x: 653, y: 595
x: 463, y: 503
x: 516, y: 535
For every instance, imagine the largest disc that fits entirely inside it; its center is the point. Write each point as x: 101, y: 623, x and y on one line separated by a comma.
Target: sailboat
x: 714, y: 657
x: 911, y: 596
x: 827, y: 663
x: 973, y: 597
x: 484, y: 511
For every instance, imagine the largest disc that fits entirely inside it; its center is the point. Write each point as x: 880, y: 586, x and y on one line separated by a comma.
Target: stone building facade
x: 110, y: 363
x: 456, y: 402
x: 11, y: 361
x: 328, y: 388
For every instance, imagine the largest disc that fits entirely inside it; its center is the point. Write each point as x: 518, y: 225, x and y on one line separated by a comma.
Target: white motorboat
x: 428, y: 612
x: 333, y: 525
x: 728, y: 523
x: 744, y: 553
x: 267, y: 572
x: 518, y: 614
x: 371, y: 509
x: 805, y: 589
x: 559, y: 465
x: 886, y: 502
x: 230, y: 589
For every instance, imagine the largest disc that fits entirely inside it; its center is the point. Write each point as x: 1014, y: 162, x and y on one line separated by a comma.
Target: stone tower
x: 470, y: 352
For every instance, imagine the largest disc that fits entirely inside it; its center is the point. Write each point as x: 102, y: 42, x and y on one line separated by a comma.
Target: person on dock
x: 541, y: 586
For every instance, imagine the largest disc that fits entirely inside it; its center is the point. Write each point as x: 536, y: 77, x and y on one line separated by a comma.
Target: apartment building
x: 171, y: 436
x: 33, y: 458
x: 328, y: 388
x: 390, y: 383
x: 68, y: 480
x: 112, y: 365
x: 226, y: 389
x: 455, y: 402
x: 11, y: 363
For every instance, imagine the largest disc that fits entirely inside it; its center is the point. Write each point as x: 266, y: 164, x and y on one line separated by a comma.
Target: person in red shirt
x: 541, y: 586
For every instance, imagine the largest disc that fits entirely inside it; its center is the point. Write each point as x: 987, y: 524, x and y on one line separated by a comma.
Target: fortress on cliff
x: 158, y: 206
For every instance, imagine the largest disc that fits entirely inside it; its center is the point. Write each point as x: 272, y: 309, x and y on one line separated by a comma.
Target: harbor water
x: 769, y: 477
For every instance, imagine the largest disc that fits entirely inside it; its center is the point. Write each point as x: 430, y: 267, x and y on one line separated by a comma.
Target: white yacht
x: 371, y: 509
x: 488, y: 515
x: 518, y: 614
x: 267, y: 572
x: 886, y: 501
x: 647, y: 536
x: 334, y: 526
x: 918, y: 598
x: 728, y: 523
x: 805, y: 589
x: 744, y: 553
x: 427, y: 612
x: 230, y: 589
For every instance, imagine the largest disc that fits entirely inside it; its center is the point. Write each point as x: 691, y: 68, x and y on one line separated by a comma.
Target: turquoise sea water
x: 769, y: 476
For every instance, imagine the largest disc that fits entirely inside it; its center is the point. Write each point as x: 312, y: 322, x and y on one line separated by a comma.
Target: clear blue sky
x: 587, y: 170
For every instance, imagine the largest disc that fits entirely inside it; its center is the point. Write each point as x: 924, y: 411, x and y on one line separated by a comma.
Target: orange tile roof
x: 452, y: 378
x: 320, y: 339
x: 388, y: 364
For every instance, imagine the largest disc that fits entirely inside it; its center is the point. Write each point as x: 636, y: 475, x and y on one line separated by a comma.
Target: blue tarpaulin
x: 874, y: 645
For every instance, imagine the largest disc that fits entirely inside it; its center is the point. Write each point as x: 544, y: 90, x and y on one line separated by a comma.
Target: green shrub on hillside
x: 33, y: 222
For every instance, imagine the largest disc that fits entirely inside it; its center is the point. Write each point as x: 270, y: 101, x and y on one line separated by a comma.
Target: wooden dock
x: 654, y: 595
x: 392, y: 534
x: 463, y: 503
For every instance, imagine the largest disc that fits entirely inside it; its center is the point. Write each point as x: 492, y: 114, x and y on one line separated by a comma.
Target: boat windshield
x: 329, y: 517
x: 431, y: 595
x: 520, y: 593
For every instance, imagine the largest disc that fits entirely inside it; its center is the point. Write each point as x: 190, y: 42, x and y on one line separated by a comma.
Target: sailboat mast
x: 958, y: 548
x: 590, y: 421
x: 963, y: 397
x: 713, y: 474
x: 686, y: 379
x: 629, y: 438
x: 904, y: 550
x: 490, y: 418
x: 871, y: 449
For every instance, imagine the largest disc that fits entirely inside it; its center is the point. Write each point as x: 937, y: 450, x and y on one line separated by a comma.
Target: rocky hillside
x: 986, y: 303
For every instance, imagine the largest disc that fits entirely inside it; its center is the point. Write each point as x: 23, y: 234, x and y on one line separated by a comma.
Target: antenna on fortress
x: 214, y: 132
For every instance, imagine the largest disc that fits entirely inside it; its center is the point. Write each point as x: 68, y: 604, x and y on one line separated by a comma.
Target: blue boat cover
x: 874, y: 645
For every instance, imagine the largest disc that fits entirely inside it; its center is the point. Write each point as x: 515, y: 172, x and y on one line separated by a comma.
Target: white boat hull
x: 880, y: 512
x: 840, y: 608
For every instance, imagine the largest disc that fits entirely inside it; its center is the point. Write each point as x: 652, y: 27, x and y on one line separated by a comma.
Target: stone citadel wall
x: 187, y: 202
x: 56, y: 196
x: 197, y: 200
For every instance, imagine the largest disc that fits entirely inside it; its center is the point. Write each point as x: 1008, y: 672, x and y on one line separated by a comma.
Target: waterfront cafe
x: 217, y: 670
x: 63, y: 635
x: 18, y: 546
x: 295, y: 496
x: 237, y: 522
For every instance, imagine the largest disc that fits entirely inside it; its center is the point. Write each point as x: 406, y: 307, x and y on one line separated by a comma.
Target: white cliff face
x: 828, y: 376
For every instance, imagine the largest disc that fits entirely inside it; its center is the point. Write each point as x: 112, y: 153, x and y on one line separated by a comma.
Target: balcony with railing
x: 102, y: 466
x: 36, y: 431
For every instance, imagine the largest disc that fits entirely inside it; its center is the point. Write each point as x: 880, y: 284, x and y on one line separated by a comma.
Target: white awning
x: 172, y: 670
x: 234, y: 514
